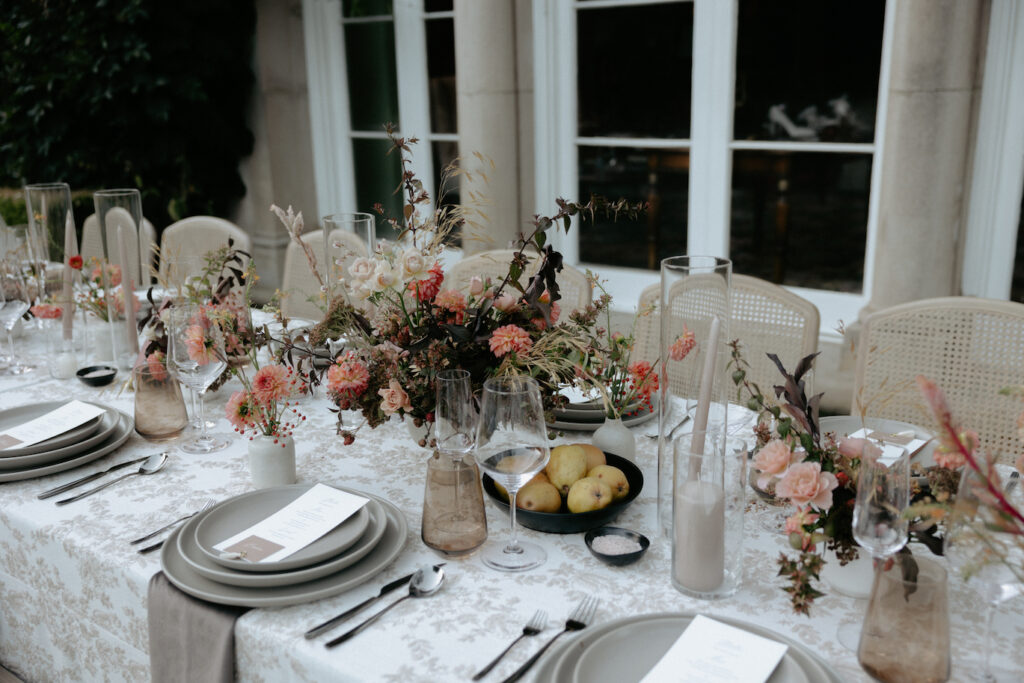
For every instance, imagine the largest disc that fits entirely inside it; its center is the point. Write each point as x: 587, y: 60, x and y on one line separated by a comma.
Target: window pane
x: 377, y: 175
x: 658, y: 176
x: 441, y: 71
x: 438, y: 5
x: 801, y: 218
x: 444, y: 154
x: 808, y: 69
x: 634, y: 70
x: 372, y: 85
x: 365, y: 8
x: 1017, y: 290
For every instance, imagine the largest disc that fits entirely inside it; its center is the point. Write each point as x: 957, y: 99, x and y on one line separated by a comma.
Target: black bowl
x: 97, y: 375
x: 624, y: 558
x: 565, y: 522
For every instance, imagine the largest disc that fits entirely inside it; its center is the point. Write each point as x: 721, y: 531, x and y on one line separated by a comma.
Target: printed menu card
x: 53, y: 423
x: 294, y: 526
x: 712, y: 652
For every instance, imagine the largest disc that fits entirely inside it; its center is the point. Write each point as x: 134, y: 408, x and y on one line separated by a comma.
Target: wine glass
x: 511, y: 447
x: 197, y: 354
x: 981, y: 548
x: 883, y: 494
x: 14, y: 303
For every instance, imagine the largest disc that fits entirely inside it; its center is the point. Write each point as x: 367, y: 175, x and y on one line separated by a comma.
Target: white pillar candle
x: 698, y: 559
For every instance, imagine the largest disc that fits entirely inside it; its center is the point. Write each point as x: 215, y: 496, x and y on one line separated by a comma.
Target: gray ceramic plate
x: 181, y: 575
x: 561, y: 665
x: 844, y: 425
x: 239, y: 513
x: 592, y: 426
x: 114, y: 441
x: 104, y: 427
x: 198, y: 561
x: 16, y: 416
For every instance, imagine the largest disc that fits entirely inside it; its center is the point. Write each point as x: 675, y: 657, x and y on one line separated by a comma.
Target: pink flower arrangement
x: 510, y: 339
x: 46, y: 311
x: 263, y: 406
x: 273, y: 383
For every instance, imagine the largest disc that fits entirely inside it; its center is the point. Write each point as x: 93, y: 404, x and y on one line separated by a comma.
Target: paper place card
x: 294, y: 526
x: 53, y: 423
x: 712, y: 652
x: 893, y: 445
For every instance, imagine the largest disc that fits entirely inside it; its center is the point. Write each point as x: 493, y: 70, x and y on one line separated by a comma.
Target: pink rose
x: 394, y: 398
x: 476, y: 285
x: 772, y: 461
x: 858, y: 448
x: 805, y: 484
x: 506, y: 302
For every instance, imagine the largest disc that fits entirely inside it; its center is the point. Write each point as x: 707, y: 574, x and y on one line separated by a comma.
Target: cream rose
x: 384, y: 276
x: 506, y: 302
x: 476, y: 285
x: 394, y: 398
x: 414, y: 265
x: 772, y: 461
x: 805, y: 484
x: 362, y: 268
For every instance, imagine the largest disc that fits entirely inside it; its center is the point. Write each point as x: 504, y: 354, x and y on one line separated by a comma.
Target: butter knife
x: 385, y: 589
x: 87, y: 478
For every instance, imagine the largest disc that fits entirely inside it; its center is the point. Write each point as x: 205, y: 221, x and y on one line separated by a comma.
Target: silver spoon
x: 153, y: 464
x: 426, y: 581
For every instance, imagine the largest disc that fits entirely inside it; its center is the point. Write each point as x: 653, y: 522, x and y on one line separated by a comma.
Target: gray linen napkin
x: 189, y: 640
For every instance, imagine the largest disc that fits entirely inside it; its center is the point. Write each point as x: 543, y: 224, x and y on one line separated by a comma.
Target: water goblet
x: 511, y: 447
x: 883, y: 493
x: 196, y: 352
x: 14, y: 303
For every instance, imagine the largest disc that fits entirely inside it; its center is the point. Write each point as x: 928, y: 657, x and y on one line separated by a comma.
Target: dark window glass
x: 372, y: 84
x: 658, y: 176
x: 634, y: 71
x: 378, y: 175
x: 1017, y: 292
x: 438, y: 5
x: 365, y: 8
x: 800, y: 218
x: 808, y: 69
x: 441, y: 72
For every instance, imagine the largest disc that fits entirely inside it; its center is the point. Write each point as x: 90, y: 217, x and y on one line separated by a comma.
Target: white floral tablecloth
x: 73, y: 592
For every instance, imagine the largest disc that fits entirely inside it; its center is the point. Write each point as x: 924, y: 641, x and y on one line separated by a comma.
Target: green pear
x: 614, y: 477
x: 539, y: 496
x: 588, y: 494
x: 566, y: 465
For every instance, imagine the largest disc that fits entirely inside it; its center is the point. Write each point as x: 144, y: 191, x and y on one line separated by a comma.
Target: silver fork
x: 532, y: 628
x: 206, y: 506
x: 577, y: 621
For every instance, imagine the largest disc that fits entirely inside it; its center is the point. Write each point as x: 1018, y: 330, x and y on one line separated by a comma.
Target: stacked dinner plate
x: 351, y: 553
x: 75, y: 447
x: 626, y: 649
x: 587, y: 416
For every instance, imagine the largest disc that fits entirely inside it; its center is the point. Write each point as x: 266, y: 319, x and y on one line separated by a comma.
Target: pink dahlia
x: 155, y: 362
x: 349, y: 377
x: 450, y: 300
x: 238, y: 410
x: 272, y: 383
x: 682, y: 346
x: 509, y: 338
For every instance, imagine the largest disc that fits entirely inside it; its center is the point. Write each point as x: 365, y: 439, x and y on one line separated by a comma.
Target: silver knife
x: 387, y: 588
x: 87, y: 478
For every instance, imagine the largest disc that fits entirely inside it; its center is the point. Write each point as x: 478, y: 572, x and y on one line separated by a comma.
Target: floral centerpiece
x: 817, y: 473
x: 404, y: 324
x: 93, y: 298
x: 266, y: 405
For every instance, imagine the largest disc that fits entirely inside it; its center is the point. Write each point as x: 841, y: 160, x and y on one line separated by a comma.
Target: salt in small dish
x: 97, y: 375
x: 616, y: 536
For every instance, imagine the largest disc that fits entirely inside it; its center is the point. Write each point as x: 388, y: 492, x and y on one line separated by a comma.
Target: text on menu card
x: 53, y: 423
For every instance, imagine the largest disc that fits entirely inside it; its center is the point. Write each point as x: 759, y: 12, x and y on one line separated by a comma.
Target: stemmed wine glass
x: 454, y: 419
x: 14, y: 302
x: 983, y: 549
x: 197, y: 354
x: 511, y: 447
x: 883, y: 494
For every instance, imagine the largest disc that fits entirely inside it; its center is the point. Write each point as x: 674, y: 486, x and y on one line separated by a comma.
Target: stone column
x: 488, y: 115
x: 280, y: 169
x: 933, y: 87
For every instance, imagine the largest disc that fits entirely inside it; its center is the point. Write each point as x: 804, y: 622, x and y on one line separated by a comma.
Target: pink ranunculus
x: 506, y: 302
x: 509, y: 338
x: 858, y: 448
x: 682, y: 346
x: 237, y: 410
x: 155, y: 362
x: 394, y: 398
x: 772, y: 461
x: 348, y: 377
x: 805, y: 484
x: 476, y: 285
x: 272, y: 383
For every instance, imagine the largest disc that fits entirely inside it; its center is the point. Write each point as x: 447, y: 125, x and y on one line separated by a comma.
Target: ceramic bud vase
x: 615, y: 437
x: 271, y: 461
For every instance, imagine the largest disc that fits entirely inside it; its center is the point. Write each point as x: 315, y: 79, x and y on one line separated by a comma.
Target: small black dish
x: 623, y: 558
x: 97, y: 375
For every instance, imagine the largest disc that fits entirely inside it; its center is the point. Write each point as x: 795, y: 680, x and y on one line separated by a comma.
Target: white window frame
x: 993, y: 212
x: 331, y: 124
x: 711, y: 145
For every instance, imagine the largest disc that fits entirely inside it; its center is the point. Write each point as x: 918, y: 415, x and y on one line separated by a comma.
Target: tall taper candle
x: 70, y: 249
x: 707, y: 380
x: 128, y: 289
